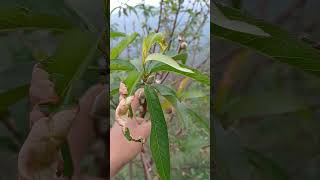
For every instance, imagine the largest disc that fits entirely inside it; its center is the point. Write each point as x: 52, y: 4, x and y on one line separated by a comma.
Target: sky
x: 116, y: 3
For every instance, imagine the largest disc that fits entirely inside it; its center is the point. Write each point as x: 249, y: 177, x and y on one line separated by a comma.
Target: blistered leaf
x: 151, y: 39
x: 40, y: 152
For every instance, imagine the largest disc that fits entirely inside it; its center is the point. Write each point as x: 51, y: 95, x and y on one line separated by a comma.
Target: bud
x: 183, y: 45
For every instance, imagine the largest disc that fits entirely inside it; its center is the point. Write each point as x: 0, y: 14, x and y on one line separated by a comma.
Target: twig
x: 174, y: 24
x: 130, y: 171
x: 160, y: 16
x: 147, y: 175
x: 159, y: 23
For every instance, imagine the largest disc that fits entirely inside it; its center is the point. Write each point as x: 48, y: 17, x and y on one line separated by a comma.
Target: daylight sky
x: 116, y: 3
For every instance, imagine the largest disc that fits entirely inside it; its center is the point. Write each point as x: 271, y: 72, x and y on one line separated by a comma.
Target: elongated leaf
x: 151, y: 39
x: 221, y: 20
x: 181, y: 57
x: 280, y: 46
x: 196, y: 75
x: 67, y: 160
x: 116, y: 34
x: 71, y: 60
x: 132, y: 80
x: 178, y: 57
x: 165, y: 90
x: 124, y: 43
x: 65, y: 67
x: 167, y: 60
x: 194, y: 93
x: 114, y: 92
x: 159, y: 142
x: 121, y: 65
x: 267, y: 104
x: 19, y: 18
x: 12, y: 96
x: 184, y: 113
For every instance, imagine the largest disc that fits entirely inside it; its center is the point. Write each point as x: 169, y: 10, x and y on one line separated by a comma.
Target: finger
x: 82, y: 130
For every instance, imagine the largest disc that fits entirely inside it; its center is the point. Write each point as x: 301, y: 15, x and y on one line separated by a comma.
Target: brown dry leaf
x: 39, y: 154
x: 41, y: 89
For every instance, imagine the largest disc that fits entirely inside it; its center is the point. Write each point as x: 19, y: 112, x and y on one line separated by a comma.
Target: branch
x: 147, y: 175
x: 159, y: 23
x: 174, y: 24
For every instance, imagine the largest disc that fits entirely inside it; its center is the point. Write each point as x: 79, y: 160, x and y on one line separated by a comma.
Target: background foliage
x: 266, y: 90
x: 33, y: 31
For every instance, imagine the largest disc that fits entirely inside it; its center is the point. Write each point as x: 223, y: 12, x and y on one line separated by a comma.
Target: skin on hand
x: 123, y: 151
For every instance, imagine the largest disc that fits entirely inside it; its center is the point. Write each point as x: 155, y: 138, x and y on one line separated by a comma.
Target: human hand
x: 121, y: 149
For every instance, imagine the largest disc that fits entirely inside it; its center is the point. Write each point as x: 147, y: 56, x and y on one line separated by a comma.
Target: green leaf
x: 12, y: 96
x: 124, y: 43
x: 199, y: 120
x: 19, y: 18
x: 256, y: 105
x: 132, y: 80
x: 159, y: 142
x: 178, y: 57
x: 219, y: 19
x: 121, y: 65
x: 181, y: 57
x: 67, y: 160
x: 165, y: 90
x: 167, y: 60
x: 66, y: 66
x: 116, y: 34
x: 114, y: 92
x: 196, y: 75
x: 151, y: 39
x: 184, y: 113
x: 280, y: 46
x: 193, y: 93
x: 70, y: 61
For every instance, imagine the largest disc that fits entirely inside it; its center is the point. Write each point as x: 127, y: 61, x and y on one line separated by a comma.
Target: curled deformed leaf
x: 151, y: 39
x: 39, y: 155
